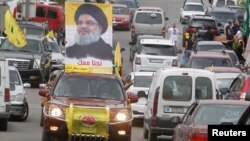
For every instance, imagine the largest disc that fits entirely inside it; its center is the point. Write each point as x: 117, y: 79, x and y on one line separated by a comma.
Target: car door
x: 4, y: 86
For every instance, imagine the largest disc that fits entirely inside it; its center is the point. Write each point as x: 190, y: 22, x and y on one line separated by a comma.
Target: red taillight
x: 132, y: 28
x: 175, y: 63
x: 137, y: 60
x: 7, y: 95
x: 244, y: 89
x: 155, y: 102
x: 198, y: 137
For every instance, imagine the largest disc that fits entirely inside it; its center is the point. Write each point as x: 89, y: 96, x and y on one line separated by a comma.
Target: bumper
x: 31, y: 75
x: 124, y: 25
x: 62, y: 132
x: 5, y: 112
x: 17, y: 110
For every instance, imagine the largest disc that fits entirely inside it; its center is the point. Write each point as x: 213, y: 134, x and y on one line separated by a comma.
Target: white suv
x: 148, y: 20
x: 153, y: 54
x: 4, y: 94
x: 172, y: 91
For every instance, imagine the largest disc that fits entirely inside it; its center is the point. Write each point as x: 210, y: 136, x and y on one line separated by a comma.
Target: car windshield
x: 28, y: 29
x: 34, y: 46
x: 120, y: 10
x: 202, y: 63
x: 202, y: 23
x: 194, y: 8
x: 177, y: 88
x: 142, y: 81
x: 224, y: 16
x: 220, y: 3
x: 14, y: 78
x: 224, y: 82
x: 230, y: 2
x: 210, y: 47
x: 130, y: 4
x: 54, y: 47
x: 163, y: 50
x: 89, y: 87
x: 148, y: 18
x: 215, y: 114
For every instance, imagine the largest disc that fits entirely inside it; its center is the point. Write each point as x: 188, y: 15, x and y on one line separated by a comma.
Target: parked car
x: 194, y: 124
x: 19, y: 105
x: 148, y: 20
x: 5, y: 94
x: 209, y: 45
x: 57, y: 55
x: 33, y: 61
x: 121, y: 17
x: 80, y: 102
x: 139, y: 89
x: 172, y: 91
x: 153, y: 54
x: 189, y: 9
x: 239, y: 89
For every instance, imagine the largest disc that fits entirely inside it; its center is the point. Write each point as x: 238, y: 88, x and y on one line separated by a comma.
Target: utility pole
x: 27, y: 7
x: 3, y: 8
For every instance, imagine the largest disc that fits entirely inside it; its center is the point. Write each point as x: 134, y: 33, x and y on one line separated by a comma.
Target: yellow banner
x: 87, y: 69
x: 88, y: 120
x: 14, y: 33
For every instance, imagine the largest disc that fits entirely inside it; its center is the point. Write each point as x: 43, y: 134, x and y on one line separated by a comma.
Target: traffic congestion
x: 127, y: 70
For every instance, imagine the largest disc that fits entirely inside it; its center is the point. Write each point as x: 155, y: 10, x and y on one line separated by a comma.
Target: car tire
x: 26, y: 113
x: 41, y: 118
x: 3, y: 124
x: 145, y: 131
x: 152, y: 137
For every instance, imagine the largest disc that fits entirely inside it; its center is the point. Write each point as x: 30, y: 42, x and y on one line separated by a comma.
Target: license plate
x: 202, y: 31
x: 168, y: 109
x: 156, y: 61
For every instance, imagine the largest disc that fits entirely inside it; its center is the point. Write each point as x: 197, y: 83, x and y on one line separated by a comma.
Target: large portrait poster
x: 88, y: 37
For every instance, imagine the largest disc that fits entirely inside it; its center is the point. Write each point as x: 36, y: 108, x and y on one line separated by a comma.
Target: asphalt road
x: 30, y: 130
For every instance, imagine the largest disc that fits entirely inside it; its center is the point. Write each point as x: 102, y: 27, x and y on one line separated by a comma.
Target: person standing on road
x: 188, y: 48
x: 173, y: 33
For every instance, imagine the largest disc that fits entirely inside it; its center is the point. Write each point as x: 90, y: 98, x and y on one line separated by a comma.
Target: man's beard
x: 88, y: 38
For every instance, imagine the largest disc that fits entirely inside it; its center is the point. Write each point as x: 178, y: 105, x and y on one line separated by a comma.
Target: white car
x: 19, y: 105
x: 142, y: 82
x: 189, y: 9
x: 153, y: 54
x: 57, y: 55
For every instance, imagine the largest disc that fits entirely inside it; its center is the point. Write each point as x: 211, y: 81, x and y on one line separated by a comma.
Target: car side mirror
x: 122, y: 49
x: 43, y: 92
x: 175, y: 119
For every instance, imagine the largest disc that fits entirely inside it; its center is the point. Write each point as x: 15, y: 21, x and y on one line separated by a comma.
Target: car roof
x: 120, y: 5
x: 147, y: 8
x: 186, y: 70
x: 218, y: 101
x: 225, y: 69
x: 209, y: 54
x: 149, y: 37
x: 157, y: 42
x: 222, y: 9
x: 209, y: 43
x: 142, y: 73
x: 207, y: 17
x: 193, y: 3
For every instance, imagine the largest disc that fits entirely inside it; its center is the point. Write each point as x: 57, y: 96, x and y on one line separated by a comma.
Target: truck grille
x: 86, y: 137
x: 19, y: 64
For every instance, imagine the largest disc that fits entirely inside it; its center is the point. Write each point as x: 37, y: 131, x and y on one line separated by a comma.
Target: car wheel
x: 145, y: 131
x: 41, y: 118
x: 152, y: 137
x: 3, y: 124
x: 25, y: 114
x: 46, y: 136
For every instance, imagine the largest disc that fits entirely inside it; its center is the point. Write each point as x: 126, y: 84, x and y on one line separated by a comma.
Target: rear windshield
x: 202, y: 63
x: 202, y: 23
x: 193, y: 8
x: 92, y: 87
x: 224, y: 16
x: 142, y: 81
x: 148, y: 18
x: 130, y: 4
x: 215, y: 114
x: 210, y: 47
x: 203, y: 88
x: 163, y: 50
x: 120, y: 10
x: 177, y: 88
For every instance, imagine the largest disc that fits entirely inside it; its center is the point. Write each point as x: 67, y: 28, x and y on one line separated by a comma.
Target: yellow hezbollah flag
x: 87, y: 120
x: 50, y: 34
x: 15, y: 35
x: 117, y: 58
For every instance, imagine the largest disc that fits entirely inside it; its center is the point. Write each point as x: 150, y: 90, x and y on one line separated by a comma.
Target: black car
x: 33, y: 61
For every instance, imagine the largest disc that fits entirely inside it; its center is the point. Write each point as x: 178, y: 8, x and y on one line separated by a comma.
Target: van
x: 148, y: 20
x: 171, y: 92
x: 222, y: 3
x: 53, y: 14
x: 4, y: 94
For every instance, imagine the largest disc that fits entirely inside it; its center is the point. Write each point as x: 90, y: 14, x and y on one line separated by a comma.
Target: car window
x: 189, y: 112
x: 52, y: 13
x: 120, y: 10
x: 142, y: 81
x: 203, y: 88
x: 218, y: 113
x: 237, y: 84
x: 40, y: 12
x: 202, y: 63
x: 148, y: 18
x: 202, y: 23
x: 224, y: 16
x: 177, y: 88
x: 210, y: 47
x: 230, y: 2
x: 193, y: 8
x: 130, y: 4
x: 79, y: 86
x: 54, y: 47
x: 224, y: 82
x: 151, y: 49
x: 220, y: 3
x: 14, y: 78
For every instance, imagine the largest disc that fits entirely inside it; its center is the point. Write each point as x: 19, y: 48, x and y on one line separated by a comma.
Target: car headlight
x: 121, y: 116
x: 37, y: 63
x: 126, y: 19
x: 55, y: 111
x: 19, y: 97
